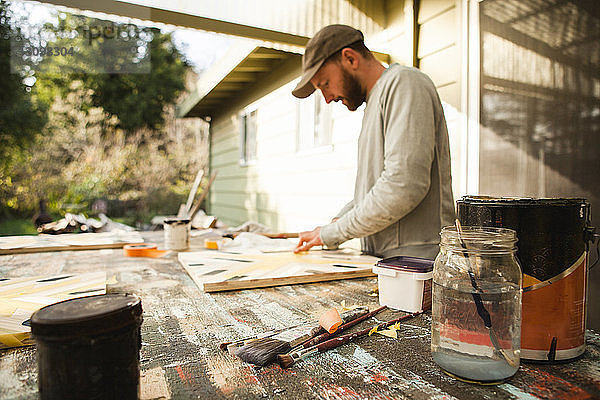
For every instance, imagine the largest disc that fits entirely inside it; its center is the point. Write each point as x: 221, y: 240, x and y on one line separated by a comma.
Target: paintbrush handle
x: 281, y: 235
x: 340, y: 340
x: 325, y: 336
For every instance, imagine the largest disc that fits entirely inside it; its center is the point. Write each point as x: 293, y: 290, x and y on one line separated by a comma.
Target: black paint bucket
x: 89, y: 347
x: 553, y: 240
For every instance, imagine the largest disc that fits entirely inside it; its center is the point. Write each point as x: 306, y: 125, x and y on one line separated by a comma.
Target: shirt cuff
x: 331, y: 235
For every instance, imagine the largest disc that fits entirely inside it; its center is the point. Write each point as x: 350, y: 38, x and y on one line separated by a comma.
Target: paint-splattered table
x: 180, y: 357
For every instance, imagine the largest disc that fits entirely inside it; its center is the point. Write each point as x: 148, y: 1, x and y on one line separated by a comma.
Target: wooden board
x: 21, y: 297
x: 182, y: 328
x: 71, y: 241
x: 215, y: 271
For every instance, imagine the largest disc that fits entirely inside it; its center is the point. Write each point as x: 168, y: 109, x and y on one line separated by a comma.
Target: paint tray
x: 405, y: 282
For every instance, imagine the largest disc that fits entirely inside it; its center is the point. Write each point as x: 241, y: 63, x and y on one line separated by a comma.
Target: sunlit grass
x: 17, y: 227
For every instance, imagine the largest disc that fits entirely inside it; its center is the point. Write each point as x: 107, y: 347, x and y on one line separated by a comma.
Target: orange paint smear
x: 185, y: 378
x: 379, y: 378
x: 548, y: 386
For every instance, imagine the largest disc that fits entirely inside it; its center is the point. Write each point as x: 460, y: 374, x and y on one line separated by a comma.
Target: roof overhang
x: 243, y: 67
x: 186, y: 19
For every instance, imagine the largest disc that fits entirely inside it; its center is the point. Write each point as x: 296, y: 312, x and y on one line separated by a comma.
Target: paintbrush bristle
x: 262, y: 351
x: 285, y: 360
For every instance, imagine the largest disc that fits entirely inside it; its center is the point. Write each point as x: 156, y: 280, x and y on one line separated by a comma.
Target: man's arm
x: 409, y: 130
x: 344, y: 210
x: 308, y: 239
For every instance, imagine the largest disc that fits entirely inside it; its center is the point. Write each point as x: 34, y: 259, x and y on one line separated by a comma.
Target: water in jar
x: 461, y: 343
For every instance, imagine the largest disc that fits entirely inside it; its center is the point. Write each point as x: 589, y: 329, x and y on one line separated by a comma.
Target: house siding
x: 438, y: 55
x: 284, y: 189
x: 290, y: 190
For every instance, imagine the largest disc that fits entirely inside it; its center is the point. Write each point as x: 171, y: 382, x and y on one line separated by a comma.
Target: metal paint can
x: 554, y: 236
x: 177, y: 233
x: 89, y: 347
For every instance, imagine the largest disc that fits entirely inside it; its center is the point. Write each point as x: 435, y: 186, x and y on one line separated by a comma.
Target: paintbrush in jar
x: 264, y: 351
x: 287, y: 360
x: 481, y: 310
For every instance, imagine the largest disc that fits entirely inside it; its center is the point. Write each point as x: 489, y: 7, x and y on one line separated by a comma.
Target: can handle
x: 590, y: 237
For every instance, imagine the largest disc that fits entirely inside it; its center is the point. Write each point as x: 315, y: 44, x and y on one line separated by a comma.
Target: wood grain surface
x: 182, y: 329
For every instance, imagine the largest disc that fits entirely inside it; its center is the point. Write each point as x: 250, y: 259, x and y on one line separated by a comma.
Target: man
x: 403, y: 191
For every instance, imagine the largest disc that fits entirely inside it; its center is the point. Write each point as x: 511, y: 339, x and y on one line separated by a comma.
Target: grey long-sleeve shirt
x: 403, y: 191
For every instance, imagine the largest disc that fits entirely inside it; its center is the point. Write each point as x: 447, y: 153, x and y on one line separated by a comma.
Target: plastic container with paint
x: 89, y: 347
x: 405, y: 282
x: 177, y: 233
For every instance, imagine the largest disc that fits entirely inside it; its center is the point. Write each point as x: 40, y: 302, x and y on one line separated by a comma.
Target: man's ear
x: 350, y: 58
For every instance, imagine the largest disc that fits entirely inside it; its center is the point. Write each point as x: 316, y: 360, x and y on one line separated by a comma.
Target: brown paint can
x: 553, y: 242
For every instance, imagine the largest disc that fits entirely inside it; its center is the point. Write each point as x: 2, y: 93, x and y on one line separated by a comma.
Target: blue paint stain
x: 515, y: 391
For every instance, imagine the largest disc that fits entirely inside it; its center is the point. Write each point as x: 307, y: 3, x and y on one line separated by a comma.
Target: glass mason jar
x: 476, y: 307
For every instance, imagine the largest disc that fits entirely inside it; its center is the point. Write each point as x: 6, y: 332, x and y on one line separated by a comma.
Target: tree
x: 133, y: 72
x: 109, y: 130
x: 22, y: 116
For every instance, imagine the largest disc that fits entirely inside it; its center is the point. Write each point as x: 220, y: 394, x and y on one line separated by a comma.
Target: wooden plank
x: 192, y: 194
x: 215, y: 271
x: 261, y: 283
x: 21, y: 297
x: 30, y: 250
x: 65, y: 242
x: 203, y: 195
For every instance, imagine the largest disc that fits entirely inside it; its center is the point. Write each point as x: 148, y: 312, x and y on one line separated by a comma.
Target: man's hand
x: 309, y: 239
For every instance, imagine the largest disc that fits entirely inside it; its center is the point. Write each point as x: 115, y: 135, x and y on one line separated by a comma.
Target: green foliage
x: 79, y: 134
x: 21, y: 115
x: 137, y: 99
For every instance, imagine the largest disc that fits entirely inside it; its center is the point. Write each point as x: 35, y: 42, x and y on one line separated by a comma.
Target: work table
x: 183, y: 327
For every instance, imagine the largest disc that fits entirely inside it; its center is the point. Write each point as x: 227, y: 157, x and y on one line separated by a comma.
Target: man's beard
x: 353, y: 92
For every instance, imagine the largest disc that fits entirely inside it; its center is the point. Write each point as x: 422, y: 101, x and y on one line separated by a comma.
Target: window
x: 248, y: 137
x: 539, y: 99
x: 314, y: 123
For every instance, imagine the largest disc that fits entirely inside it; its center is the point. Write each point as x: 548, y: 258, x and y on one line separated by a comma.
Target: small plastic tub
x: 405, y: 283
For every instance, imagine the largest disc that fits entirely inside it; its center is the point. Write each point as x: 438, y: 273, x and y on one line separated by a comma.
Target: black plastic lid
x: 177, y: 221
x: 405, y: 263
x: 87, y: 316
x: 523, y: 201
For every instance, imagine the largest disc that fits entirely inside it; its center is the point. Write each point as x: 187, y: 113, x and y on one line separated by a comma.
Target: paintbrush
x: 326, y: 336
x: 481, y: 310
x: 265, y: 350
x: 346, y: 316
x: 287, y: 360
x: 232, y: 345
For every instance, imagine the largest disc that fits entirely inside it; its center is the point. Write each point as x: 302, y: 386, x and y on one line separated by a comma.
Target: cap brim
x: 305, y: 88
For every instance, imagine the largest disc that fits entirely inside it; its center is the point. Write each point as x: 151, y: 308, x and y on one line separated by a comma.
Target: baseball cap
x: 325, y: 43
